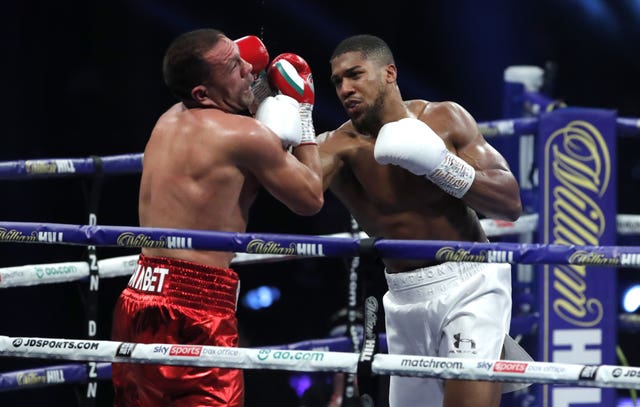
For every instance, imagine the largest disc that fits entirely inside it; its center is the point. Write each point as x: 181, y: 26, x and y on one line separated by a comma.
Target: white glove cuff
x: 453, y: 175
x: 308, y: 131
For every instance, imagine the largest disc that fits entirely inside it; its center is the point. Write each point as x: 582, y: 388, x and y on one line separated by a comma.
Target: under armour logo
x: 463, y: 344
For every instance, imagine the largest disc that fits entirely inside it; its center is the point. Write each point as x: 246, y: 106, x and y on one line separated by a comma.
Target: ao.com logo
x: 41, y: 272
x: 264, y: 354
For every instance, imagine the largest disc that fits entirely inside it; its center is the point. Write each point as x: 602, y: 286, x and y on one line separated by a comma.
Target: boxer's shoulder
x: 424, y: 108
x: 342, y: 139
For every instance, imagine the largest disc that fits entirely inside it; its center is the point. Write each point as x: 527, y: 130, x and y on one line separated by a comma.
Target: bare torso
x: 190, y: 180
x: 390, y: 202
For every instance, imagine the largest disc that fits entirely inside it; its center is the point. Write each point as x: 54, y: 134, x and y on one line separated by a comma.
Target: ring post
x: 91, y: 289
x: 576, y: 156
x: 355, y: 294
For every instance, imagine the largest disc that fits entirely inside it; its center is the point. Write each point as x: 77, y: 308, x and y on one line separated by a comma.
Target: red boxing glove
x: 253, y: 51
x: 291, y: 75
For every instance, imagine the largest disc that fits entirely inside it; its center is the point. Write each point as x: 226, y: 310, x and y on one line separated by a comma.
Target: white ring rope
x: 321, y: 361
x: 526, y: 223
x: 36, y: 274
x: 49, y: 273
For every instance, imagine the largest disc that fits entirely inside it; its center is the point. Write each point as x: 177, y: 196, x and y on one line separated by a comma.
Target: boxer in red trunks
x: 203, y: 165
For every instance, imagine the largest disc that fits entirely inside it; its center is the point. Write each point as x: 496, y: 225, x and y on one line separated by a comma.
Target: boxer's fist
x: 280, y: 114
x: 253, y: 50
x: 291, y: 75
x: 414, y: 146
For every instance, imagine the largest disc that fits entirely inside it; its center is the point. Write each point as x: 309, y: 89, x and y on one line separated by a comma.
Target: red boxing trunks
x: 175, y: 301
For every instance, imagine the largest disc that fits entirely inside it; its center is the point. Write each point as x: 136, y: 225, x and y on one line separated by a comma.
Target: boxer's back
x: 190, y: 179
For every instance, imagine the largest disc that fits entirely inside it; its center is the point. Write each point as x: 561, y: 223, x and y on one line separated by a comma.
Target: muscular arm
x: 330, y: 160
x: 294, y: 179
x: 494, y: 192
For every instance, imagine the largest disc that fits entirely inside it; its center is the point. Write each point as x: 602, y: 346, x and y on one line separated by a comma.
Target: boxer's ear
x: 200, y: 95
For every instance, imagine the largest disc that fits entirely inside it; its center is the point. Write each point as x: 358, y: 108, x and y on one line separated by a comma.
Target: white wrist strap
x: 308, y: 131
x: 454, y: 176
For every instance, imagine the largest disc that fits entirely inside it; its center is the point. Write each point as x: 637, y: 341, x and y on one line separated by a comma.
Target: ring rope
x: 61, y: 167
x: 52, y: 376
x: 318, y: 246
x: 50, y: 273
x: 132, y: 163
x: 77, y: 373
x: 35, y: 274
x: 321, y: 361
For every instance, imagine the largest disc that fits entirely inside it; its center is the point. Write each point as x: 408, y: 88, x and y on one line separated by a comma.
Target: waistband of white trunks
x: 432, y: 281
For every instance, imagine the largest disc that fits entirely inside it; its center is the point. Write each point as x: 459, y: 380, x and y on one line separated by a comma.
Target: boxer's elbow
x: 311, y: 205
x: 511, y: 203
x: 511, y: 208
x: 312, y: 198
x: 513, y: 211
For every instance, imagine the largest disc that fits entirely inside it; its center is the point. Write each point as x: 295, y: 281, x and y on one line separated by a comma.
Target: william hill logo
x: 449, y: 253
x: 64, y: 166
x: 578, y: 168
x: 12, y: 235
x: 260, y: 246
x: 130, y: 239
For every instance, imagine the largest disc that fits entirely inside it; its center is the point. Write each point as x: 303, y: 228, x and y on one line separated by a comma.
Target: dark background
x: 83, y: 78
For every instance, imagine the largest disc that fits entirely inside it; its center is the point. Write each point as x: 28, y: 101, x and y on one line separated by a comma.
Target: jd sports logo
x: 463, y: 345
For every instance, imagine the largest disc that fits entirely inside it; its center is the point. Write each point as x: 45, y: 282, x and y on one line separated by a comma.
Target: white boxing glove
x: 411, y: 144
x: 280, y: 114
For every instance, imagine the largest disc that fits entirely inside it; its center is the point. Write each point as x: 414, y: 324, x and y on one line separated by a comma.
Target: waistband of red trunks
x: 186, y: 283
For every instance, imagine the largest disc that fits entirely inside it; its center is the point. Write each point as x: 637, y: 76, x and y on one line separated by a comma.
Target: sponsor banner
x: 476, y: 369
x: 51, y: 343
x: 624, y: 375
x: 51, y: 375
x: 410, y: 365
x: 611, y: 376
x: 245, y: 358
x: 578, y: 175
x: 190, y: 351
x: 125, y: 349
x: 213, y: 355
x: 509, y: 366
x: 297, y: 360
x: 31, y: 379
x: 588, y: 373
x: 70, y: 349
x: 47, y: 167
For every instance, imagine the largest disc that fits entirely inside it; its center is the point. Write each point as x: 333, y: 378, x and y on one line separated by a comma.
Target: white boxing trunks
x: 452, y: 310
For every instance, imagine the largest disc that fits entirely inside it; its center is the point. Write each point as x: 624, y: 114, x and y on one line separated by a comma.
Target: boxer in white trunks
x: 422, y: 170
